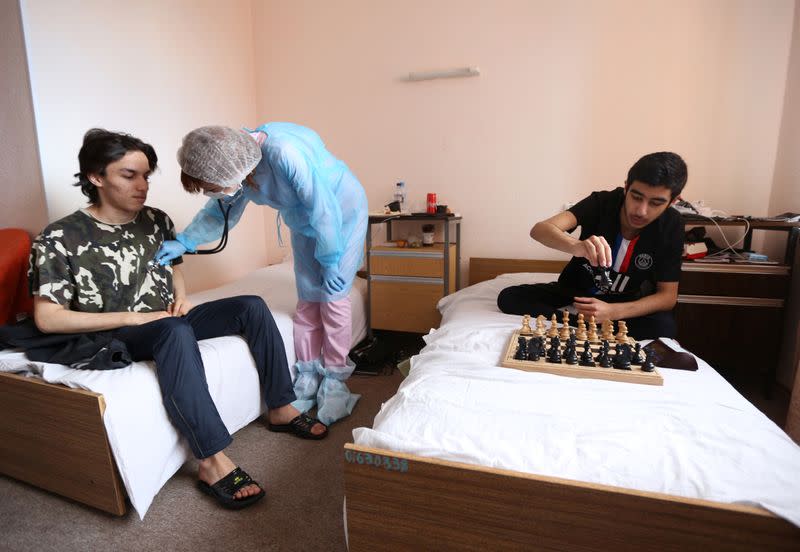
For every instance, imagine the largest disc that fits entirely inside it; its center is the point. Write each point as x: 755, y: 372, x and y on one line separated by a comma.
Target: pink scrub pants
x: 323, y: 329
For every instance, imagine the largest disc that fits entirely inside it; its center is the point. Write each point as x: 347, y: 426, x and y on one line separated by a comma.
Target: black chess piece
x: 621, y: 361
x: 522, y: 349
x: 604, y: 359
x: 602, y: 278
x: 540, y: 344
x: 571, y: 339
x: 648, y: 365
x: 586, y: 358
x: 636, y: 356
x: 533, y: 353
x: 603, y: 351
x: 570, y: 355
x: 554, y: 353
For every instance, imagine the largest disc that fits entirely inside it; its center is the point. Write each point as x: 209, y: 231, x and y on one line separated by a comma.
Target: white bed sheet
x: 146, y: 447
x: 694, y: 437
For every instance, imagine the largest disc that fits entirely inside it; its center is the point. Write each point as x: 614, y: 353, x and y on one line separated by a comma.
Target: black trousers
x: 172, y: 343
x: 547, y: 299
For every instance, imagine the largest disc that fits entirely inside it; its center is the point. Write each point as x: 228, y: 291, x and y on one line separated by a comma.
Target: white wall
x: 155, y: 69
x: 571, y: 94
x: 785, y: 197
x: 23, y: 204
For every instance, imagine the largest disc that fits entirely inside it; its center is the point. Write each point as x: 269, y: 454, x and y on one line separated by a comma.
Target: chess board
x: 634, y: 375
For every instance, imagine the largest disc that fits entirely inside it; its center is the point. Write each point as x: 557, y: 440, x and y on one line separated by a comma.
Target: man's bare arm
x: 50, y: 317
x: 181, y: 305
x: 552, y: 232
x: 663, y: 299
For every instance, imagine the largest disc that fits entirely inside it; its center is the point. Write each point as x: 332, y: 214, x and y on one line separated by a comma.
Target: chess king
x: 629, y: 232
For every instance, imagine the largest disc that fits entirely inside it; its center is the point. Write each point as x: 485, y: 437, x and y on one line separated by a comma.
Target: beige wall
x: 570, y: 95
x: 23, y: 204
x: 154, y: 69
x: 786, y: 197
x: 785, y: 194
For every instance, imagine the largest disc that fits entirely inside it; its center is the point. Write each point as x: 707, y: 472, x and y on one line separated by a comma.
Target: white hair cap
x: 218, y: 155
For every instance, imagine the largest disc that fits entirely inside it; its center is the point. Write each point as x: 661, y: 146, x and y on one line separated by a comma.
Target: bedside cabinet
x: 406, y: 285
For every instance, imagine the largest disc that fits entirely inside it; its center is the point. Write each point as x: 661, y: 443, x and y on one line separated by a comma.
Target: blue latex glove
x: 332, y: 281
x: 169, y: 250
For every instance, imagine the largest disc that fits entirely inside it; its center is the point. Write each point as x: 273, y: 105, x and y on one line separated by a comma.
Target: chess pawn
x: 554, y: 353
x: 564, y: 333
x: 540, y: 329
x: 622, y: 334
x: 592, y: 334
x: 581, y: 332
x: 648, y: 365
x: 586, y: 356
x: 553, y: 331
x: 522, y: 349
x: 636, y: 356
x: 571, y: 356
x: 526, y: 325
x: 604, y: 330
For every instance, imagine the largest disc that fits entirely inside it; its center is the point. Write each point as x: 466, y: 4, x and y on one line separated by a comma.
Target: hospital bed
x: 97, y: 436
x: 472, y: 456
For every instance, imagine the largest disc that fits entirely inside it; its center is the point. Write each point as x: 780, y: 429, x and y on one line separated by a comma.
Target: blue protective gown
x: 317, y: 196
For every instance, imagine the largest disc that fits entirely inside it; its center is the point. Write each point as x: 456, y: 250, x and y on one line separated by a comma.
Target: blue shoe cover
x: 306, y: 384
x: 334, y: 399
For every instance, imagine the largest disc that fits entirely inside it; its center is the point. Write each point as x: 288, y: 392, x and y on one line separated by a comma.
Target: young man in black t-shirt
x: 631, y: 231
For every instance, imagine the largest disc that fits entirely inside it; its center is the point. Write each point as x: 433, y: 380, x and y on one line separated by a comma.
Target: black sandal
x: 224, y: 489
x: 301, y: 426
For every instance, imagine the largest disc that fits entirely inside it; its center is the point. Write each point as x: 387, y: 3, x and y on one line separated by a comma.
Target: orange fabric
x: 15, y: 247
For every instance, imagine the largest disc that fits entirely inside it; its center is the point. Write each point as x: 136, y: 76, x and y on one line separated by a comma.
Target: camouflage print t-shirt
x: 91, y: 266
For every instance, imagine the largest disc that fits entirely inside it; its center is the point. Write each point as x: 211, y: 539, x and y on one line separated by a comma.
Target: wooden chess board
x: 634, y: 375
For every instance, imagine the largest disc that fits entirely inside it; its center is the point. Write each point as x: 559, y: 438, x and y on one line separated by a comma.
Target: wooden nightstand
x: 405, y: 284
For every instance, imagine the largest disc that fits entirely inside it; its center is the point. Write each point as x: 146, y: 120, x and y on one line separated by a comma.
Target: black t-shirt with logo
x: 653, y: 256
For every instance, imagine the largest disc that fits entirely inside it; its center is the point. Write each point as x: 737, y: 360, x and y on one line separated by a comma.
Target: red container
x: 431, y: 203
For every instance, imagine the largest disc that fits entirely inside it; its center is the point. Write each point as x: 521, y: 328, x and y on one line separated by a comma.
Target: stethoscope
x: 153, y: 264
x: 224, y: 240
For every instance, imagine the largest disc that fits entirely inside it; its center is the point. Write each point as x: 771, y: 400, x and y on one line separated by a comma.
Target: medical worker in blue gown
x: 287, y: 167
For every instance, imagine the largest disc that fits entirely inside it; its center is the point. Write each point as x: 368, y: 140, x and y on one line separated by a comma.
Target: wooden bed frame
x: 53, y: 437
x: 398, y: 501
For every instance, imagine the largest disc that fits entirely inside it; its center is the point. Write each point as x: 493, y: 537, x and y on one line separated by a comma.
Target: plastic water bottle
x: 400, y: 194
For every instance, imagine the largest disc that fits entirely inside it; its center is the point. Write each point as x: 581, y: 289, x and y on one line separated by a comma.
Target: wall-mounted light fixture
x: 457, y: 72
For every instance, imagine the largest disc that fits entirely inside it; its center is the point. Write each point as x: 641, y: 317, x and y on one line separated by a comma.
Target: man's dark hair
x: 101, y: 148
x: 663, y: 168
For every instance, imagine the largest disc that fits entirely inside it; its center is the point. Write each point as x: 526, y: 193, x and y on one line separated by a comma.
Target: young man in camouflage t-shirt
x: 90, y: 272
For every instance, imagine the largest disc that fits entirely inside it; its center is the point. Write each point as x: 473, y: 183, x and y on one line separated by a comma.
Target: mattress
x: 146, y: 447
x: 694, y: 437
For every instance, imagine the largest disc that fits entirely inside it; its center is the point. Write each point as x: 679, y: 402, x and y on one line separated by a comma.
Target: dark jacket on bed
x: 87, y: 351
